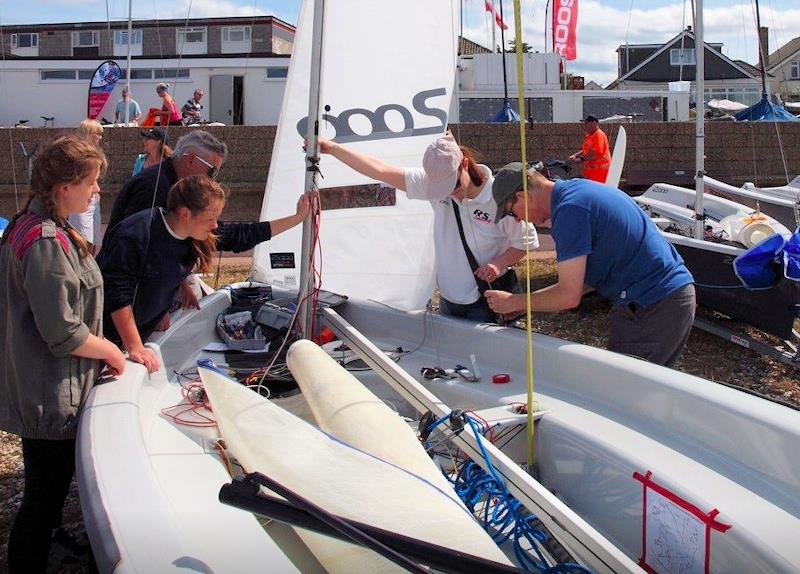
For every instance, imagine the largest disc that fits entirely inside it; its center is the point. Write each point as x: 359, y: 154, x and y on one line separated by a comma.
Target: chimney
x: 763, y: 39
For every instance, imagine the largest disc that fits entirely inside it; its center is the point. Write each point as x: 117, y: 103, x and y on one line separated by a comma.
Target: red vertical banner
x: 565, y: 23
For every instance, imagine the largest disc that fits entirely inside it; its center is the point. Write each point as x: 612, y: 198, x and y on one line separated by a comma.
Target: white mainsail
x: 387, y: 92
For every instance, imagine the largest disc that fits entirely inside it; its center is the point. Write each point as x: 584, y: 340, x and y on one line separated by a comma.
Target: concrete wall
x: 736, y: 152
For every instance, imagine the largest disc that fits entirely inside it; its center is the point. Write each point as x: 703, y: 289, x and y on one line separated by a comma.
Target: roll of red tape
x: 500, y: 378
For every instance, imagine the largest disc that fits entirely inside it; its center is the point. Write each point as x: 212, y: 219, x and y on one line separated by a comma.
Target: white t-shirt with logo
x: 486, y: 239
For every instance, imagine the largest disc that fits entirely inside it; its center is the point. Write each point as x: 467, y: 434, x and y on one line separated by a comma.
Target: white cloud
x: 603, y: 28
x: 200, y: 9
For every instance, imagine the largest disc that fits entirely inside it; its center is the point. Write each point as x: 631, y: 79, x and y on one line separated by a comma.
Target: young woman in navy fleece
x: 145, y: 258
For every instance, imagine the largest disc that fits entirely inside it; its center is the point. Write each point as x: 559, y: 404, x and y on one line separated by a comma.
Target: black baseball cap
x: 153, y: 134
x: 591, y: 118
x: 507, y: 181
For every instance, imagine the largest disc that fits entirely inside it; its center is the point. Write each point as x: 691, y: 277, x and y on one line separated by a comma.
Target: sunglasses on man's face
x: 213, y: 172
x: 508, y: 207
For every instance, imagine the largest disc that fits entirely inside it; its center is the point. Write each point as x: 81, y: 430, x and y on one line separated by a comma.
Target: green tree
x: 512, y: 46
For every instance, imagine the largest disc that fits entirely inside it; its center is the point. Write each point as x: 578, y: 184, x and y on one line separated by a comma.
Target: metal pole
x: 700, y: 133
x: 761, y: 53
x: 546, y: 23
x: 128, y: 73
x: 503, y: 53
x: 312, y: 162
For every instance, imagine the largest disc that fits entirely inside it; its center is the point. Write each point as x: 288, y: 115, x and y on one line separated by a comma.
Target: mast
x: 128, y: 69
x: 312, y: 162
x: 700, y: 133
x: 761, y: 52
x: 503, y: 54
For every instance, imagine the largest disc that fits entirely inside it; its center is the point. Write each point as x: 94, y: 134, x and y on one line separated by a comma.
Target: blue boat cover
x: 756, y: 267
x: 506, y: 115
x: 3, y: 223
x: 766, y: 111
x: 791, y: 257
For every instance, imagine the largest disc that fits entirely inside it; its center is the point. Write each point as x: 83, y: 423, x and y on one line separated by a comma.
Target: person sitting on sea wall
x: 603, y: 241
x: 147, y: 257
x: 127, y: 105
x: 51, y: 333
x: 464, y: 226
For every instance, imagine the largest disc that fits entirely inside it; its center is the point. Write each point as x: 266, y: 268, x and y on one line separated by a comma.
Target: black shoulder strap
x: 473, y: 263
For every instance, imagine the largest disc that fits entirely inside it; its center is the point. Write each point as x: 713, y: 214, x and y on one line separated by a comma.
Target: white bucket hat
x: 441, y: 162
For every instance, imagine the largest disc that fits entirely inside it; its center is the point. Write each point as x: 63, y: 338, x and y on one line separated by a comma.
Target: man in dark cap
x: 594, y: 155
x: 604, y: 242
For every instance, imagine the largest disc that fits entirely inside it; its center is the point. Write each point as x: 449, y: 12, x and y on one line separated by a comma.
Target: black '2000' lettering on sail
x: 377, y: 119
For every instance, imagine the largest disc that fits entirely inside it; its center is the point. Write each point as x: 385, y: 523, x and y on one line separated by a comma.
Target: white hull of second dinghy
x: 149, y: 488
x: 782, y: 203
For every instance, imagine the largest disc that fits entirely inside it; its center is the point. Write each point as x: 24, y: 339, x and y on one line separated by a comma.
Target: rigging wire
x: 777, y: 128
x: 166, y: 129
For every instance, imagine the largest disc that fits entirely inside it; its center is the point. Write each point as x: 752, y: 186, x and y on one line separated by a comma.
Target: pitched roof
x: 751, y: 69
x: 715, y: 48
x: 466, y: 47
x: 779, y: 56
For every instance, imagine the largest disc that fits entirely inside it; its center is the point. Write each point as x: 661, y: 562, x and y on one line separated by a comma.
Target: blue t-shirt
x: 627, y: 259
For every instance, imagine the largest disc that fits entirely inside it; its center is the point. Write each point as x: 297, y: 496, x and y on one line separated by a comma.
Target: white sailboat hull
x: 782, y: 203
x: 149, y: 487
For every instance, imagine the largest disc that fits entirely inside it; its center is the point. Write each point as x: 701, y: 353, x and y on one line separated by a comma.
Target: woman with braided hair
x: 51, y: 312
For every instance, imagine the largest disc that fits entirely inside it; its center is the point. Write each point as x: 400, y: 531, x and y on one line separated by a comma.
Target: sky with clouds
x: 603, y: 25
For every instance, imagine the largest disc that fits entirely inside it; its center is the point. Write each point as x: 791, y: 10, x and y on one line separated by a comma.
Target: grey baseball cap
x: 507, y: 181
x: 441, y: 162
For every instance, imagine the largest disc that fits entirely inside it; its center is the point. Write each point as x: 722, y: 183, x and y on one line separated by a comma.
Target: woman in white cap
x: 473, y: 256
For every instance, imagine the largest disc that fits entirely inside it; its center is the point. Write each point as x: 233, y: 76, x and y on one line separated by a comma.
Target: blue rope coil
x: 502, y: 516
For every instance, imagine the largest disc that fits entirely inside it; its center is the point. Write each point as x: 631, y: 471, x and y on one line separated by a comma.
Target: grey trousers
x: 657, y: 333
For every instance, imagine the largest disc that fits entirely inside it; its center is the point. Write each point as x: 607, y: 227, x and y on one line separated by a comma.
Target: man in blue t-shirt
x: 605, y: 242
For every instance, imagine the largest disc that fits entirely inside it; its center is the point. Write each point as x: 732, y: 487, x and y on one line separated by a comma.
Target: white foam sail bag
x: 340, y: 478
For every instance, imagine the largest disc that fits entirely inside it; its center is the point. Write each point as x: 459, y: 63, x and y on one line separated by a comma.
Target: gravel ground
x: 706, y: 356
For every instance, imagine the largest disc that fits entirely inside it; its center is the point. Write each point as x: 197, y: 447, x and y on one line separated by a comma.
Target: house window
x: 26, y: 44
x: 26, y: 40
x: 121, y: 42
x: 170, y: 73
x: 141, y: 74
x: 794, y: 71
x: 275, y: 73
x: 84, y: 39
x: 46, y: 75
x: 191, y: 41
x: 121, y: 37
x: 682, y: 57
x: 236, y: 34
x: 236, y: 39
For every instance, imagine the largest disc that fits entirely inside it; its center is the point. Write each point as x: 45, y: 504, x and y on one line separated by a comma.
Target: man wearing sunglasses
x: 604, y: 242
x: 196, y: 153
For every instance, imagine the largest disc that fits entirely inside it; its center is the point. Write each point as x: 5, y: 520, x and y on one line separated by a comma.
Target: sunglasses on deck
x: 213, y: 172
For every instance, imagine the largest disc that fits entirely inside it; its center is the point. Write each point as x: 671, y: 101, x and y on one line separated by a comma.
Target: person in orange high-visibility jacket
x: 594, y: 154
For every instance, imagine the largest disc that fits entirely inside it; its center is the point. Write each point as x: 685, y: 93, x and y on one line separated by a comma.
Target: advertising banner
x: 104, y: 79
